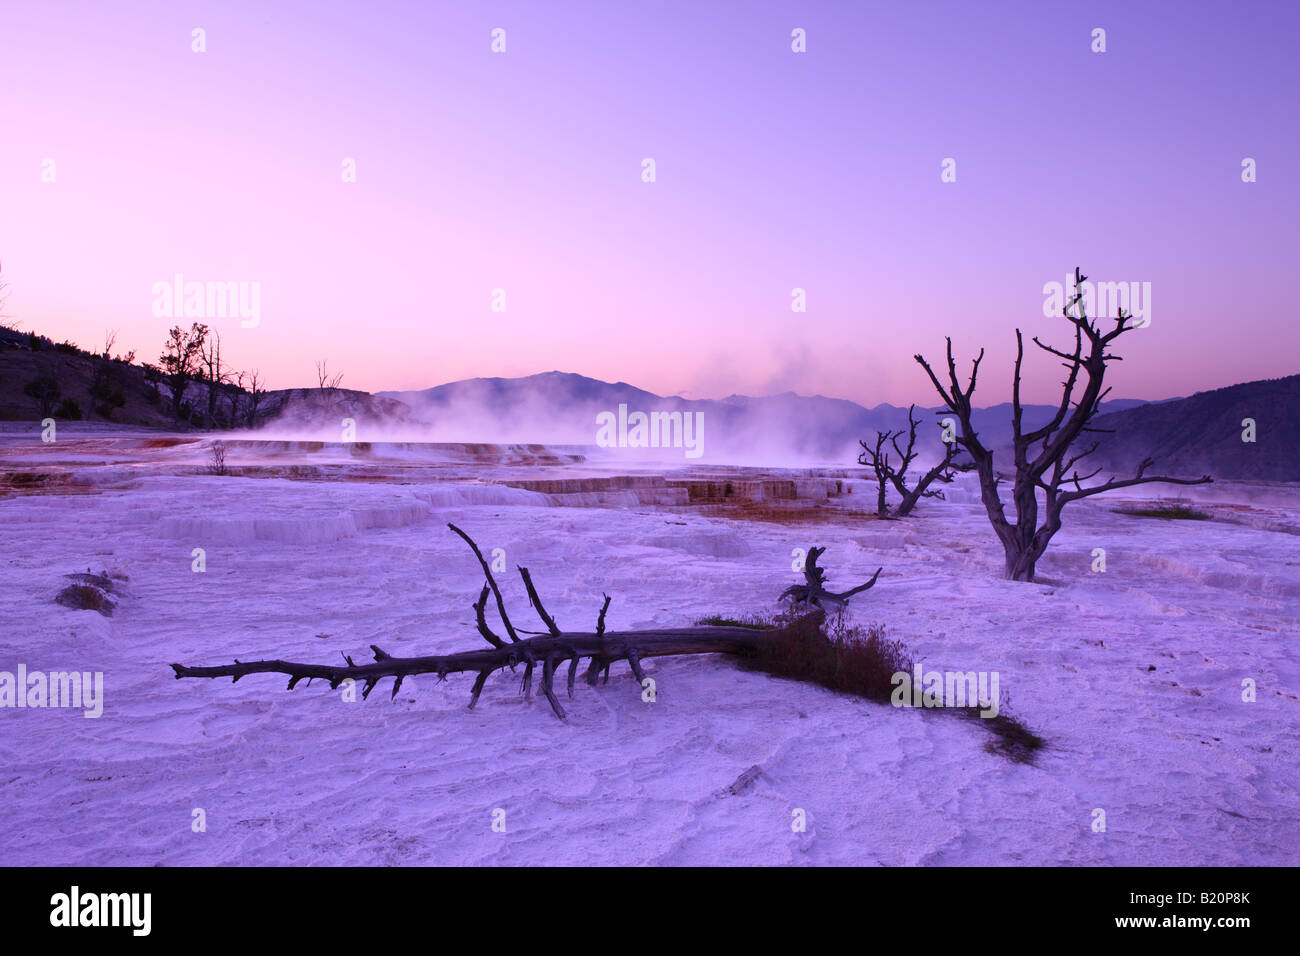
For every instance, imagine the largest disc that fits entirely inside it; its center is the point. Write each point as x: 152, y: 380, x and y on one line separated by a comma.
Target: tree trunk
x: 1020, y: 565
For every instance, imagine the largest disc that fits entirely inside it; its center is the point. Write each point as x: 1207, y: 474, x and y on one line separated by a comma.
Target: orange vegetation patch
x: 168, y: 442
x: 785, y: 512
x: 314, y: 473
x: 722, y: 489
x: 41, y: 483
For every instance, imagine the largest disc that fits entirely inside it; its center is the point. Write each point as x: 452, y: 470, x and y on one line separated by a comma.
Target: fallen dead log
x: 550, y: 651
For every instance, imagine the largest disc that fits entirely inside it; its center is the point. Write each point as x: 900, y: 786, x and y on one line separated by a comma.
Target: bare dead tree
x: 813, y: 591
x: 110, y: 339
x: 238, y: 393
x: 877, y: 458
x: 216, y: 376
x: 256, y: 392
x: 4, y: 294
x: 218, y: 466
x: 944, y: 471
x: 329, y: 385
x: 549, y: 650
x: 1051, y: 467
x: 326, y: 381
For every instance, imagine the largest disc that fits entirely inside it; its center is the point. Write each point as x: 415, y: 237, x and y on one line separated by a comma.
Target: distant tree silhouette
x: 256, y: 392
x: 179, y: 362
x: 45, y: 389
x: 877, y: 458
x: 107, y: 390
x: 209, y: 361
x: 4, y: 294
x: 329, y: 384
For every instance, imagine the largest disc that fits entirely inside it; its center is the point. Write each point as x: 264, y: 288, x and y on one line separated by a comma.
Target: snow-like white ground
x: 1134, y: 677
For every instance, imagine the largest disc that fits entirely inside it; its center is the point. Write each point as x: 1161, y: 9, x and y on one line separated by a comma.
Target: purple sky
x: 775, y: 170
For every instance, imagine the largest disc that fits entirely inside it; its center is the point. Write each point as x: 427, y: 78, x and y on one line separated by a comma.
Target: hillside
x: 130, y: 394
x: 1189, y: 437
x: 75, y: 374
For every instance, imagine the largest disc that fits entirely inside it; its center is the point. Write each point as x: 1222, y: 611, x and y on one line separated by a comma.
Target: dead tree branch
x: 813, y: 591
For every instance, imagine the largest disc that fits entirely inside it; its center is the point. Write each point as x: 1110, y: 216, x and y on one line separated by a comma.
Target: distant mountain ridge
x: 1187, y: 437
x: 561, y: 407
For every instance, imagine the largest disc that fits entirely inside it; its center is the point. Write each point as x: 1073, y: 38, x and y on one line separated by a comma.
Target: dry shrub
x: 852, y: 660
x: 1011, y: 738
x: 840, y: 657
x: 1177, y: 510
x: 218, y: 466
x: 772, y: 511
x: 91, y: 592
x: 86, y: 597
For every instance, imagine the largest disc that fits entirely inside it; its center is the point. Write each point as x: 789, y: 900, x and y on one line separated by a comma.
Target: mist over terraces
x: 1186, y: 436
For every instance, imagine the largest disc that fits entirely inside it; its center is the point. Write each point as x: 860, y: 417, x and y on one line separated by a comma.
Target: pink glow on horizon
x: 775, y: 170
